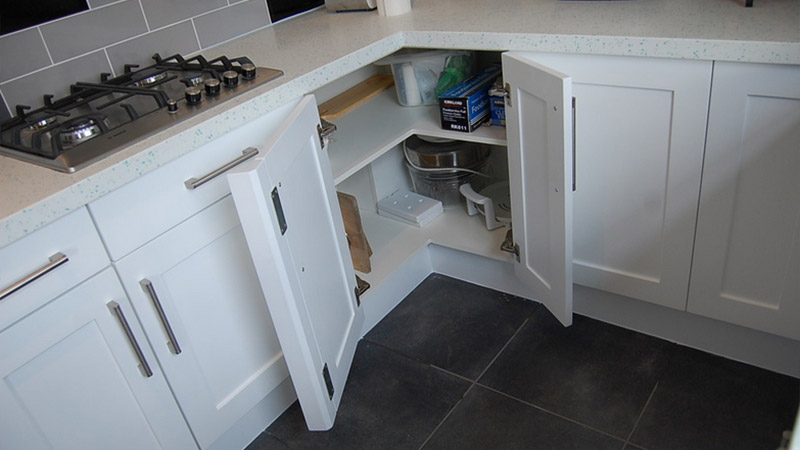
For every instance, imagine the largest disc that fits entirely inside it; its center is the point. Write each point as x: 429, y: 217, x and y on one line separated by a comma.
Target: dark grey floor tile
x: 266, y: 441
x: 389, y: 402
x: 488, y: 420
x: 707, y: 402
x: 452, y: 324
x: 630, y: 446
x: 592, y: 372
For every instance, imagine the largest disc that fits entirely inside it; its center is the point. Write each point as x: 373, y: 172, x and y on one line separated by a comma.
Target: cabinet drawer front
x: 73, y: 236
x: 139, y: 211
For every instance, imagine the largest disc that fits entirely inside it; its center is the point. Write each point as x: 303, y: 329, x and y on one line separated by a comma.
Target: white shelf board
x: 377, y: 126
x: 394, y: 242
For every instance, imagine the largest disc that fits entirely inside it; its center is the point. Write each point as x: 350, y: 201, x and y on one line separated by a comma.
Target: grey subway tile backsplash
x: 93, y: 29
x: 51, y: 56
x: 160, y: 13
x: 54, y: 80
x: 178, y: 38
x: 98, y: 3
x: 21, y: 53
x: 230, y: 22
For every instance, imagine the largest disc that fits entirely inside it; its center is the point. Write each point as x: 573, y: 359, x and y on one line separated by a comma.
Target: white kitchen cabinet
x: 196, y: 294
x: 287, y: 204
x: 72, y: 378
x: 747, y: 250
x: 182, y: 259
x: 640, y: 131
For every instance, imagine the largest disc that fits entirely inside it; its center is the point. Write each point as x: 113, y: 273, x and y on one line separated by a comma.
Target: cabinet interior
x: 367, y: 161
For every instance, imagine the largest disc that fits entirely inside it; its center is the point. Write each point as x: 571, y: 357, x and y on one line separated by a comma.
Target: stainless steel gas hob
x: 100, y: 118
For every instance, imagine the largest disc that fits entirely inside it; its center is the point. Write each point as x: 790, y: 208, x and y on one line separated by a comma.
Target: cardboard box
x: 497, y: 101
x: 466, y: 106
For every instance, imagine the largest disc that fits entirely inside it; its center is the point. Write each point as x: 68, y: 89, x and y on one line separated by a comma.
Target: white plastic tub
x: 421, y: 75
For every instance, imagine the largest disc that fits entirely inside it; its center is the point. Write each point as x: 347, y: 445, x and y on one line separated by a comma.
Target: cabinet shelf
x: 366, y: 133
x: 393, y: 242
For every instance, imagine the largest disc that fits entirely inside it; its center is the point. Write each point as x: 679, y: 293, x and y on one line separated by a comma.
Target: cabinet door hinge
x: 507, y: 93
x: 276, y: 203
x: 509, y: 246
x: 361, y: 287
x: 326, y: 375
x: 324, y: 130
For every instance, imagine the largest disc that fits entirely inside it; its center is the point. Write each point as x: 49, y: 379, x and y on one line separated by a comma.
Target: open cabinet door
x: 540, y: 159
x: 287, y: 204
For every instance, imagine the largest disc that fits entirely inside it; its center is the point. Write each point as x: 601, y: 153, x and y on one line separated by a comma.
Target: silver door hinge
x: 324, y: 130
x: 361, y: 287
x: 509, y: 246
x: 326, y: 375
x: 276, y: 203
x: 507, y: 93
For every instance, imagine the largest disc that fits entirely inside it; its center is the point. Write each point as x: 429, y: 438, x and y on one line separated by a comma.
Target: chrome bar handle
x: 143, y: 366
x: 194, y: 183
x: 55, y: 261
x: 172, y: 342
x: 574, y: 147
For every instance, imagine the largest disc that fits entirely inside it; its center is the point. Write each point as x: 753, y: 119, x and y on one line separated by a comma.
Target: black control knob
x: 172, y: 106
x: 212, y: 87
x: 248, y: 71
x: 193, y: 95
x: 230, y: 78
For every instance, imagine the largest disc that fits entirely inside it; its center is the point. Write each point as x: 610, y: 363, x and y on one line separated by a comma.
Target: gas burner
x: 124, y: 109
x: 151, y: 80
x: 80, y: 130
x: 40, y: 124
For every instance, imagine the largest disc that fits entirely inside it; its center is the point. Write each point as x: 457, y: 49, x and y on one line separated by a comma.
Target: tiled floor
x: 457, y: 366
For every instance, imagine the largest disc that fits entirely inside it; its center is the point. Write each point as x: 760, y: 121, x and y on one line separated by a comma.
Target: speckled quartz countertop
x: 318, y: 47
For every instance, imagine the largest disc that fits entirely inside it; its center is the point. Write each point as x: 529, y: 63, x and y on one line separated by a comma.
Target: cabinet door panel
x: 539, y: 126
x: 747, y: 254
x: 230, y: 358
x: 290, y: 215
x: 71, y: 379
x: 640, y: 132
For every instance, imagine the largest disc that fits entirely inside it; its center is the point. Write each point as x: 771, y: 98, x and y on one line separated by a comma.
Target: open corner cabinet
x: 287, y: 203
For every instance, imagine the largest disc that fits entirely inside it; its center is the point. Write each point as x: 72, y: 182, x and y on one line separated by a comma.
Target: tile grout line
x: 444, y: 419
x: 533, y: 405
x: 472, y: 386
x: 641, y: 414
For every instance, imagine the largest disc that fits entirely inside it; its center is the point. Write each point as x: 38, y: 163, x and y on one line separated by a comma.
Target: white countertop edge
x: 675, y: 48
x: 146, y: 156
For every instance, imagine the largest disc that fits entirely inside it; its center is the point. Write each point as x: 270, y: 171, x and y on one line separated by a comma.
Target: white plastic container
x: 417, y: 73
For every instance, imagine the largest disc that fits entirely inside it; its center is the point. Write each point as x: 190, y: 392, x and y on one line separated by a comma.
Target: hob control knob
x: 248, y: 71
x: 212, y: 87
x: 193, y: 95
x: 172, y: 106
x: 230, y: 78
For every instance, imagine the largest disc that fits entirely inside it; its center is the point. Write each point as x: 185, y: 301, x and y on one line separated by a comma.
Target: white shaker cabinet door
x: 539, y: 127
x: 72, y: 380
x: 290, y: 215
x: 197, y: 296
x: 746, y: 267
x: 640, y: 131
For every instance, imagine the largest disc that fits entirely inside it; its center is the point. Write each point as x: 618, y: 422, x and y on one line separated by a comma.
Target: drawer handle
x: 55, y: 261
x: 172, y: 343
x: 194, y: 183
x: 143, y: 366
